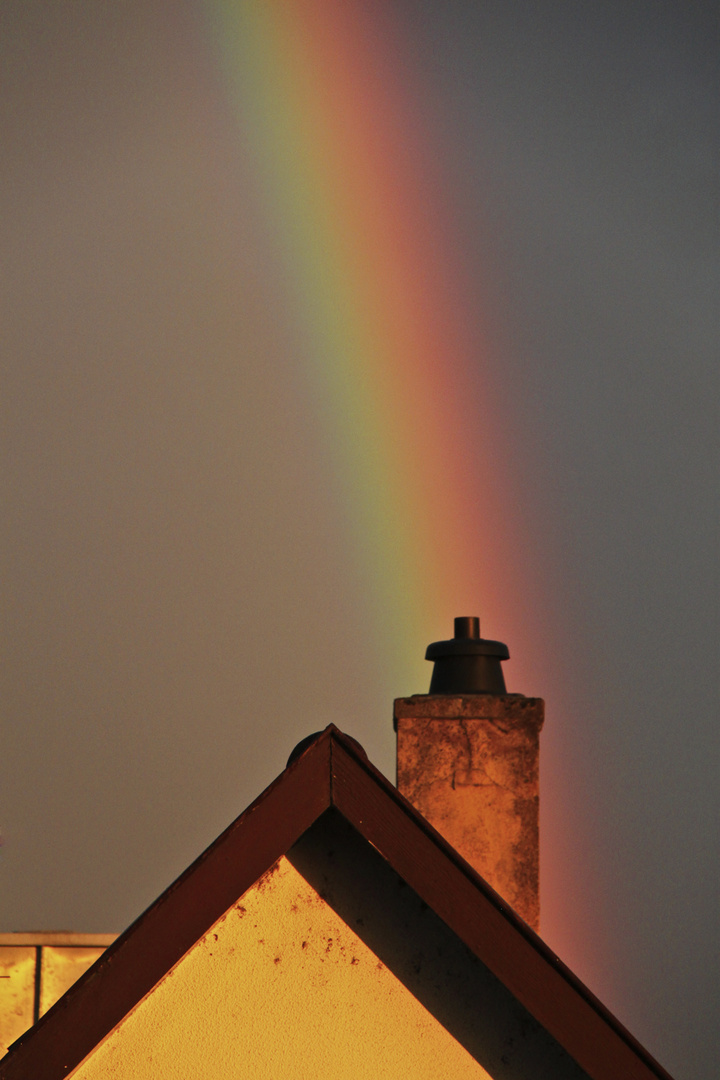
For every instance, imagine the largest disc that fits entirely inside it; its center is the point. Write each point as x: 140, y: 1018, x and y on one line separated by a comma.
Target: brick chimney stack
x: 467, y: 759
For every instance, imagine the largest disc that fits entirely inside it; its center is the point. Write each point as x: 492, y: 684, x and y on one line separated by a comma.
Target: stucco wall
x: 330, y: 966
x: 280, y: 987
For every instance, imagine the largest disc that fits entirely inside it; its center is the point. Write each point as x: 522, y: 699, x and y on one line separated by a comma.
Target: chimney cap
x: 467, y: 642
x: 467, y: 663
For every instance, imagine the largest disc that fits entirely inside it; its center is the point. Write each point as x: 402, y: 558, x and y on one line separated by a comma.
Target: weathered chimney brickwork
x: 469, y: 764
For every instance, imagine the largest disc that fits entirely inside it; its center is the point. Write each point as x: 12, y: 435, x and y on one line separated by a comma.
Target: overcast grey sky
x: 179, y: 602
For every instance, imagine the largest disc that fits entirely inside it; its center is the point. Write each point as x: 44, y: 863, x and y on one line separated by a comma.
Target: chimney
x: 467, y: 759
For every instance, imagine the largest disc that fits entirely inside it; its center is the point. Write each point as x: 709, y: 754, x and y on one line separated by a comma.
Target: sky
x: 210, y: 550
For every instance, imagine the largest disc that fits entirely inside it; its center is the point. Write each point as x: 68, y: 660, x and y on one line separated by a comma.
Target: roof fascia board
x: 330, y: 772
x: 478, y: 915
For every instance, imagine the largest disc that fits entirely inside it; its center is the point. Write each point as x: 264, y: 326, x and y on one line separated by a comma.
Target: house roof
x: 332, y: 772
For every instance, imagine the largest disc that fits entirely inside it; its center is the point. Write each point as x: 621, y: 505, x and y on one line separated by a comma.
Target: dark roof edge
x: 332, y: 771
x: 241, y: 854
x: 503, y: 909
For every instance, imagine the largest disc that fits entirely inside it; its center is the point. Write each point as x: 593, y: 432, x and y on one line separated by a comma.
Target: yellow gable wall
x: 280, y: 988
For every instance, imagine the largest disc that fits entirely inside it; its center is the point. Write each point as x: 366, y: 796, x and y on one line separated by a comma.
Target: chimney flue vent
x: 467, y: 663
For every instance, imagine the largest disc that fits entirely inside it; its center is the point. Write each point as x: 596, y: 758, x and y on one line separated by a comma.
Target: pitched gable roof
x: 333, y: 772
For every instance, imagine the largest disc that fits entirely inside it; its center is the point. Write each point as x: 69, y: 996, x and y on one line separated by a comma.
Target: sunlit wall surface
x: 281, y: 985
x: 35, y: 970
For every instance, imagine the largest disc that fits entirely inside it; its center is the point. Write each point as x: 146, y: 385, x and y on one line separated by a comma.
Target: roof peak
x: 332, y: 771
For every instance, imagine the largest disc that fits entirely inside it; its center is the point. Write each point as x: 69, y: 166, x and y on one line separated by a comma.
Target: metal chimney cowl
x: 467, y: 663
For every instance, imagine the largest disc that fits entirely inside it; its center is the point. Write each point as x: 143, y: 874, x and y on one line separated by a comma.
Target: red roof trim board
x: 332, y: 771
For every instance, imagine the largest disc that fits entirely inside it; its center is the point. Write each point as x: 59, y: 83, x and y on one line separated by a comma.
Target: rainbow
x: 353, y: 185
x: 350, y: 175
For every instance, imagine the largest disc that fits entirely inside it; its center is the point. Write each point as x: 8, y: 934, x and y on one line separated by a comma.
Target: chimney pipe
x: 467, y: 759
